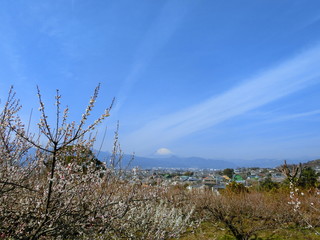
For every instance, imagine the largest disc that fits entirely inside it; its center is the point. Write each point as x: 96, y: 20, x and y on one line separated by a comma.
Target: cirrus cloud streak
x: 287, y: 78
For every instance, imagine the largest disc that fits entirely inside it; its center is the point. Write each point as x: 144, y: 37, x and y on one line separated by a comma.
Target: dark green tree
x: 79, y: 154
x: 228, y: 172
x: 308, y: 178
x: 188, y: 173
x: 267, y: 184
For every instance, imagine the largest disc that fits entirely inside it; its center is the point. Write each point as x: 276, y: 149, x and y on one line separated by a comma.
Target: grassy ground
x: 209, y: 231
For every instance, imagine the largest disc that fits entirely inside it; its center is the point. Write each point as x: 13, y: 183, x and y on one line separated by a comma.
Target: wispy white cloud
x: 312, y: 20
x: 270, y: 85
x: 160, y: 32
x: 295, y: 116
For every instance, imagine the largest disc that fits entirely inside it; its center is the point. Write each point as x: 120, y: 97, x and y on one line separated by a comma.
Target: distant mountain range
x: 195, y: 162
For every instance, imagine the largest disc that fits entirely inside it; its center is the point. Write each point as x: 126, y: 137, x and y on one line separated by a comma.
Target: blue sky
x: 215, y: 79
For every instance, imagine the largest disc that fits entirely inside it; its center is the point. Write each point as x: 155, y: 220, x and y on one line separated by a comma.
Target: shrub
x: 268, y: 185
x: 235, y: 187
x: 245, y: 215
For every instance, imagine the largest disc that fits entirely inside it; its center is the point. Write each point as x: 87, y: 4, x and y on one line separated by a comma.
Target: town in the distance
x: 216, y: 179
